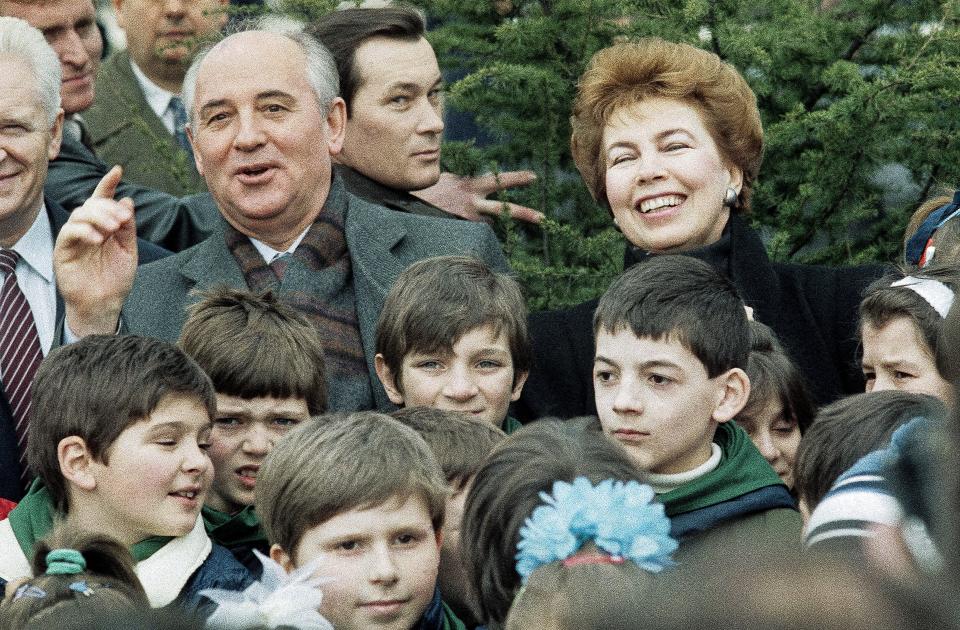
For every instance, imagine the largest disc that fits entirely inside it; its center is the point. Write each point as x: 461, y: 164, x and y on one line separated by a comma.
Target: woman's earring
x: 730, y: 198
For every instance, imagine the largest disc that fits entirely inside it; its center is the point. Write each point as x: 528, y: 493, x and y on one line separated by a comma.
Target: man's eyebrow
x: 220, y: 102
x: 274, y: 94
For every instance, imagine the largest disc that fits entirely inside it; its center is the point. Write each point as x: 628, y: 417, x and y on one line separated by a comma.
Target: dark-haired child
x: 461, y: 444
x: 118, y: 442
x: 453, y: 335
x: 779, y: 408
x: 362, y: 500
x: 266, y: 363
x: 901, y: 317
x: 841, y: 435
x: 80, y: 578
x: 672, y: 342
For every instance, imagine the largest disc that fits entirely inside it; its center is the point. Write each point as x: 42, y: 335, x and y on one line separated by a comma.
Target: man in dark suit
x: 137, y: 119
x: 265, y: 121
x: 29, y: 136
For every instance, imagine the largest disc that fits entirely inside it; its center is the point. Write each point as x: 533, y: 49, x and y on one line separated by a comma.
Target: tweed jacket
x: 381, y: 242
x: 125, y: 131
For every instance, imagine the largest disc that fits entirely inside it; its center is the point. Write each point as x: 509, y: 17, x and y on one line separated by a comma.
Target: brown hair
x: 343, y: 32
x: 773, y: 376
x: 253, y: 345
x: 883, y: 303
x: 95, y: 389
x: 459, y: 442
x: 683, y: 298
x: 342, y: 462
x: 589, y: 596
x: 629, y: 72
x: 436, y: 301
x: 109, y: 575
x: 507, y: 489
x: 848, y: 429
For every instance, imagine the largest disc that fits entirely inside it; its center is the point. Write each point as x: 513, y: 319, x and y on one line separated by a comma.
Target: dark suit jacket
x: 9, y: 457
x: 381, y: 242
x: 813, y: 310
x: 375, y: 192
x: 125, y: 131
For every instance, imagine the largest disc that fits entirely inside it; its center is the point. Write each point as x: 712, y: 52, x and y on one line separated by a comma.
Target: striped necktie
x: 20, y: 352
x: 180, y: 125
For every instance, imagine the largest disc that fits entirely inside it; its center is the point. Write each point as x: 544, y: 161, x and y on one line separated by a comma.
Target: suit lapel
x: 213, y: 265
x: 375, y: 239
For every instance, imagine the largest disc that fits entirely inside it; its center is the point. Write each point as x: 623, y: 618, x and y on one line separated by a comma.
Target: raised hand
x: 95, y: 259
x: 467, y: 196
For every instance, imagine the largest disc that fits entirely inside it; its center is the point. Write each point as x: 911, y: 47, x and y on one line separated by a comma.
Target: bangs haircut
x: 773, y: 376
x: 850, y: 428
x: 459, y: 442
x: 884, y: 303
x: 343, y: 32
x: 343, y: 462
x: 684, y: 299
x: 96, y: 388
x: 507, y: 488
x: 438, y: 300
x: 253, y: 346
x: 629, y: 72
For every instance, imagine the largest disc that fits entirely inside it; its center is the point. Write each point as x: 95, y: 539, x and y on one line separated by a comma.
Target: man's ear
x: 281, y: 557
x: 193, y: 145
x: 733, y: 394
x: 520, y: 379
x: 389, y: 380
x: 336, y: 125
x: 76, y: 463
x: 56, y: 136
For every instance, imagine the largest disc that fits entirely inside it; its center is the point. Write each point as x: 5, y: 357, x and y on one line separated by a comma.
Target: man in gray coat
x: 265, y: 121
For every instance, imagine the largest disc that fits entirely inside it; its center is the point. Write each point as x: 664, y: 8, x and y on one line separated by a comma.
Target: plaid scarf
x: 318, y: 282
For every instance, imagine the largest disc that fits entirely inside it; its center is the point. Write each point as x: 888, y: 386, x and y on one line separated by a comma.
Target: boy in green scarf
x: 266, y: 363
x: 118, y: 438
x: 672, y: 340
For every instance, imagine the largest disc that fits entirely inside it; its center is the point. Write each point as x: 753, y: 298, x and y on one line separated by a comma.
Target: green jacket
x: 125, y: 131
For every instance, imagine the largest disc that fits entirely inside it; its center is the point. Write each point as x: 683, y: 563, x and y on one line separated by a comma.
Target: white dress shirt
x: 35, y: 276
x: 157, y: 98
x: 270, y: 254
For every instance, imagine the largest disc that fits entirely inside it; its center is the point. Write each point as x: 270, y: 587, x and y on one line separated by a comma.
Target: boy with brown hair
x: 266, y: 363
x: 453, y: 335
x: 461, y: 445
x: 118, y: 444
x: 672, y: 341
x: 361, y: 499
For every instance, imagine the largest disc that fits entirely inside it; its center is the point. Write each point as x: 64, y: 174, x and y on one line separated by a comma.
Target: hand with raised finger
x: 467, y: 196
x: 95, y: 259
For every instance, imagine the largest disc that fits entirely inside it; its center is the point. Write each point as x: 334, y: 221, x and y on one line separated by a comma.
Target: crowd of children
x: 207, y: 483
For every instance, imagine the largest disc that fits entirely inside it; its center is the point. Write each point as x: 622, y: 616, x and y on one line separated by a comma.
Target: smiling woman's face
x: 665, y: 177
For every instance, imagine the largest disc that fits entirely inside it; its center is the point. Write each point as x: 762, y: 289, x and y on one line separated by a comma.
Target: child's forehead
x: 484, y: 337
x: 398, y: 511
x: 181, y: 410
x: 260, y: 405
x: 641, y: 348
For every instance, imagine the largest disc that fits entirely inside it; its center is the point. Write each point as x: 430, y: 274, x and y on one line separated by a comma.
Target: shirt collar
x: 36, y: 246
x: 157, y: 97
x: 270, y: 253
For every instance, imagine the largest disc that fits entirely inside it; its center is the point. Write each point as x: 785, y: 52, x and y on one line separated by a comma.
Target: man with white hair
x: 265, y: 122
x: 31, y: 311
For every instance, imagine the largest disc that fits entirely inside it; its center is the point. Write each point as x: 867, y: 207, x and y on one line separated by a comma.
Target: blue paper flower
x: 621, y: 518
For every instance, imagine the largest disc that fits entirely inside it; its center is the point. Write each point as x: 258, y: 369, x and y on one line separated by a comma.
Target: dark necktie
x: 20, y: 352
x: 279, y: 264
x: 180, y: 125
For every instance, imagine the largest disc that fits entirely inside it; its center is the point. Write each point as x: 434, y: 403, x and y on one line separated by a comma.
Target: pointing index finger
x: 108, y: 185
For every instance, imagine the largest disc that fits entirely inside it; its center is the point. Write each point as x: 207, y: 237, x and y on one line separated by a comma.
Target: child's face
x: 776, y: 435
x: 383, y: 561
x: 244, y: 432
x: 476, y: 377
x: 896, y: 357
x: 655, y: 398
x: 158, y: 474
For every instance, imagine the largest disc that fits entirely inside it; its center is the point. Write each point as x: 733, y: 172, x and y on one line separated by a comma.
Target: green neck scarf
x: 510, y: 424
x: 742, y: 469
x: 231, y: 530
x: 34, y: 517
